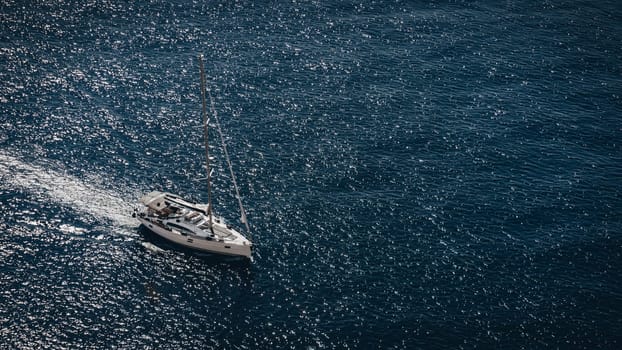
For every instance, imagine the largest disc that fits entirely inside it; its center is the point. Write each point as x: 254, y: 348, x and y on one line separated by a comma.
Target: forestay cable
x: 224, y: 147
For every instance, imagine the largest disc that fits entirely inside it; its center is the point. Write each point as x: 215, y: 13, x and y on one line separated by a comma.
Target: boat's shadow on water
x: 158, y: 244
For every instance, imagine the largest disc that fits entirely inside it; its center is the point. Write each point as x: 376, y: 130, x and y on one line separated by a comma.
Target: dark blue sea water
x: 416, y: 174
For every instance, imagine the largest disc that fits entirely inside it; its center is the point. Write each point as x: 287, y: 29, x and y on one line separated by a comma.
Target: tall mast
x: 205, y: 135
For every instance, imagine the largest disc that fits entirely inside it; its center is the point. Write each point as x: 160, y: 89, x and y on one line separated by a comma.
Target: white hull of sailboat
x: 199, y: 243
x: 194, y: 225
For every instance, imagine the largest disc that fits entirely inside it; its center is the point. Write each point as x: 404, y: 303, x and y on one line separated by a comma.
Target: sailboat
x: 194, y: 225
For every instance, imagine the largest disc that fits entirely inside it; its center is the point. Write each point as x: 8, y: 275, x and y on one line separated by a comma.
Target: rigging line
x: 224, y: 147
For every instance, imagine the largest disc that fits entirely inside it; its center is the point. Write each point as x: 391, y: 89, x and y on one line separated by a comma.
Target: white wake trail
x: 66, y: 189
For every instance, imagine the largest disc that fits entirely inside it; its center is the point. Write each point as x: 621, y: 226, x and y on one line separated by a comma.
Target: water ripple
x: 417, y: 175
